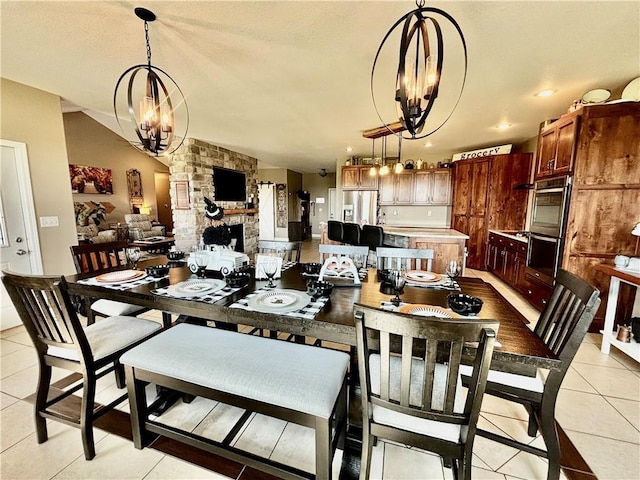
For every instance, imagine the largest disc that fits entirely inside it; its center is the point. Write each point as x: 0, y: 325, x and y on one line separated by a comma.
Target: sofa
x: 94, y: 235
x: 140, y: 226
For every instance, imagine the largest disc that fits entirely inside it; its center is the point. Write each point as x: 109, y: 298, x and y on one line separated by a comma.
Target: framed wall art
x: 85, y: 179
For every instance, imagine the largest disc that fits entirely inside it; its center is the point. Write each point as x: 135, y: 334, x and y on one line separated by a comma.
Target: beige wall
x: 318, y: 186
x: 90, y: 143
x: 34, y: 117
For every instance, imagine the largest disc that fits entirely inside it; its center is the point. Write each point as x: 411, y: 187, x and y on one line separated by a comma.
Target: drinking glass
x: 270, y: 267
x: 453, y: 269
x: 202, y: 260
x: 133, y: 256
x: 358, y: 261
x: 398, y: 281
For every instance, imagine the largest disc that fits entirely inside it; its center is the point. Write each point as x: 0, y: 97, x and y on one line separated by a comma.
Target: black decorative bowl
x: 157, y: 271
x: 464, y: 304
x: 175, y: 255
x: 384, y: 276
x: 237, y: 279
x: 316, y: 288
x: 311, y: 268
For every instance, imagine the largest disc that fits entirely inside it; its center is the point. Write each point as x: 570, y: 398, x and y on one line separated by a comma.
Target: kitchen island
x: 447, y: 244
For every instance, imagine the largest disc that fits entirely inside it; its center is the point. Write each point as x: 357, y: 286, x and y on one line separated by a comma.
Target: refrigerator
x: 360, y: 206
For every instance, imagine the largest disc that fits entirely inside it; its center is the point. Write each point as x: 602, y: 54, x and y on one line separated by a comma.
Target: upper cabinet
x: 416, y: 187
x: 358, y: 178
x: 556, y: 149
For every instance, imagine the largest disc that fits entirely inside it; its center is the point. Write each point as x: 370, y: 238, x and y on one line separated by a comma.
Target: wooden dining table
x: 521, y: 350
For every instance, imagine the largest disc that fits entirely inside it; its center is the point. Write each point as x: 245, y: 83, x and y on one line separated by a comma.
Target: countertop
x: 510, y: 235
x: 424, y: 232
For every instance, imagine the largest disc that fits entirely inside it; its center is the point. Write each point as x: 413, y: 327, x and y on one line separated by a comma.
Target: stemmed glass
x: 453, y: 269
x: 358, y: 261
x: 133, y: 256
x: 398, y: 281
x: 270, y: 267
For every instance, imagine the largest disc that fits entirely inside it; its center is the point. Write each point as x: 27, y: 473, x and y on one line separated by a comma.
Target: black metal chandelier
x: 419, y: 74
x: 155, y: 125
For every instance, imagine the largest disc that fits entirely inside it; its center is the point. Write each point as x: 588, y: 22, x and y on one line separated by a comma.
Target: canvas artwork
x: 85, y: 179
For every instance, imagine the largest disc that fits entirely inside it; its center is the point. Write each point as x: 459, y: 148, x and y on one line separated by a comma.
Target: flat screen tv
x: 229, y: 185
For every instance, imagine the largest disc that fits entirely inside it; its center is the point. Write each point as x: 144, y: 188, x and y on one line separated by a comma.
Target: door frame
x: 26, y: 200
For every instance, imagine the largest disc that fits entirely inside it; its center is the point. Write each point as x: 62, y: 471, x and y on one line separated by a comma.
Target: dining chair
x: 350, y: 251
x: 289, y: 251
x: 409, y: 258
x: 44, y: 306
x: 97, y: 258
x: 352, y: 233
x: 562, y: 326
x: 411, y: 389
x: 335, y: 231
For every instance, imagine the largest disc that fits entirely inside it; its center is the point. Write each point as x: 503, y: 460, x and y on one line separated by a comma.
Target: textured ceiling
x: 289, y: 82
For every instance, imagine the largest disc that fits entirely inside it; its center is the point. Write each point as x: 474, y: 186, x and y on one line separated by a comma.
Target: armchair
x: 140, y: 227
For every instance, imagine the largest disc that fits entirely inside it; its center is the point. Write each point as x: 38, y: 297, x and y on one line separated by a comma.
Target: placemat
x: 124, y: 285
x: 362, y: 273
x: 288, y: 265
x: 208, y: 298
x: 444, y: 284
x: 309, y: 312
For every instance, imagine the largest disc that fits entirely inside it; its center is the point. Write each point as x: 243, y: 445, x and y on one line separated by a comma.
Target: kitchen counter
x: 510, y: 234
x: 420, y: 232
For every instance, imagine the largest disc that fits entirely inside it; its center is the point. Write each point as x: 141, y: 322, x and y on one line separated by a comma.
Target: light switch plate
x: 49, y: 222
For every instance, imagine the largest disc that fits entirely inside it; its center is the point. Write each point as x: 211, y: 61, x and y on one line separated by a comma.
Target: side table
x: 608, y: 335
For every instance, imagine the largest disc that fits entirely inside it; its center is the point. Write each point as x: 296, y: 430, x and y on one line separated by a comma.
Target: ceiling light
x: 503, y: 126
x: 155, y: 125
x: 545, y: 93
x: 419, y: 72
x: 428, y: 144
x: 399, y: 167
x: 349, y: 149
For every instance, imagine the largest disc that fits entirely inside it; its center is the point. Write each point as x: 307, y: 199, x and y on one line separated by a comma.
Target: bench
x: 302, y: 384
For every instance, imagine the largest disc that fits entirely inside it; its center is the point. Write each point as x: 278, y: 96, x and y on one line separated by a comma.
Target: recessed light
x: 503, y: 126
x: 545, y: 93
x: 428, y: 144
x: 348, y: 149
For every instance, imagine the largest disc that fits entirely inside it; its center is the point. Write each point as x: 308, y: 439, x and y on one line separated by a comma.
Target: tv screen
x: 229, y: 185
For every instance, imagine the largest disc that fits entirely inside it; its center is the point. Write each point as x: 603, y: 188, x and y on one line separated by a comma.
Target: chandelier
x: 155, y: 123
x: 419, y: 73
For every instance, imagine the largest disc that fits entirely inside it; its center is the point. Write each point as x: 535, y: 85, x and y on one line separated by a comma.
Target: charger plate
x: 195, y: 288
x: 427, y: 311
x: 279, y: 301
x: 421, y: 276
x: 120, y: 276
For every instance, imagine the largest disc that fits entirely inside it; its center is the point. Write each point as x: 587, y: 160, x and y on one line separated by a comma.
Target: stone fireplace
x: 193, y: 162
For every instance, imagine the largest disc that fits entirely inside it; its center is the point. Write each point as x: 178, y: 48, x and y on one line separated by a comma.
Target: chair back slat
x: 99, y: 257
x: 421, y: 353
x: 350, y: 251
x: 288, y: 251
x: 408, y: 258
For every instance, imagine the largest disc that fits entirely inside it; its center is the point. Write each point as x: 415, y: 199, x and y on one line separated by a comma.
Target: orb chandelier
x: 419, y: 73
x: 155, y: 123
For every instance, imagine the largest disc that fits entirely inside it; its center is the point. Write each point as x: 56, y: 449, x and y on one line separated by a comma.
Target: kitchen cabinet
x: 416, y: 187
x: 397, y: 188
x: 556, y: 147
x: 507, y: 258
x: 484, y: 197
x: 535, y: 289
x: 358, y: 178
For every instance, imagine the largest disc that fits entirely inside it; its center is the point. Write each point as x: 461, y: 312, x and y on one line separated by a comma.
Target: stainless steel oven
x: 543, y: 257
x: 550, y: 201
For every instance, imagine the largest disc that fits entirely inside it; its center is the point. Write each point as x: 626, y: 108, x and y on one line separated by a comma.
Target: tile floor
x: 598, y: 407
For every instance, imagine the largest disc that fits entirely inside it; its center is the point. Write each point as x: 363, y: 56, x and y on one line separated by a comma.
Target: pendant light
x: 373, y: 171
x: 399, y: 167
x: 384, y: 169
x: 419, y: 73
x: 153, y: 129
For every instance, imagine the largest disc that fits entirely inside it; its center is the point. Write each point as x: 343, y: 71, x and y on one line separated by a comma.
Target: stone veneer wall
x: 193, y: 161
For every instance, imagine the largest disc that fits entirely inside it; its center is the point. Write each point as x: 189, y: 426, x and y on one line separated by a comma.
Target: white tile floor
x: 598, y: 407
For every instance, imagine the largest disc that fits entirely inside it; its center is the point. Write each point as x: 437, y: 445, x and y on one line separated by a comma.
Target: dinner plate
x: 195, y: 288
x: 120, y: 276
x: 632, y: 90
x: 421, y: 276
x: 596, y: 96
x: 428, y: 311
x: 279, y: 301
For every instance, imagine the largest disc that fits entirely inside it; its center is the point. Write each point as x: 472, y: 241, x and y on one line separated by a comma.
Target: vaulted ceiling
x: 289, y: 82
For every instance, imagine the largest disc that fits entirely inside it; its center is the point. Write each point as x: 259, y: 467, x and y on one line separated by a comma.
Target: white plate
x: 596, y: 96
x: 632, y: 90
x: 422, y: 276
x: 279, y: 301
x: 120, y: 276
x: 196, y: 288
x: 428, y: 311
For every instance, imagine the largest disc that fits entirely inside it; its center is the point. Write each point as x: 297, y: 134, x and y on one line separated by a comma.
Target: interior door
x: 163, y: 200
x: 332, y: 204
x: 266, y: 211
x: 19, y: 246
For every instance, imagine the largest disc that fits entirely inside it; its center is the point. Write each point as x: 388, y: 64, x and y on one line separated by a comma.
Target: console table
x: 608, y: 335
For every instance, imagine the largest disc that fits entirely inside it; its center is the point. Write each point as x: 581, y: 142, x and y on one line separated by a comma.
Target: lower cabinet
x: 536, y: 290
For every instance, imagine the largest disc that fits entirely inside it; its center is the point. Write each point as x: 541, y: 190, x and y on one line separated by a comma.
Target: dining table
x: 519, y: 349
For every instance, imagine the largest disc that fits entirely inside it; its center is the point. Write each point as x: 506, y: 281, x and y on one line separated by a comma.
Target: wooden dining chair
x: 410, y: 383
x: 44, y: 306
x: 98, y: 258
x: 350, y: 251
x: 562, y: 326
x: 288, y: 251
x: 409, y: 258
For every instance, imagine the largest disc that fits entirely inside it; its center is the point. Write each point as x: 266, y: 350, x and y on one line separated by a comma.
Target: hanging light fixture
x: 399, y: 167
x: 157, y: 105
x: 384, y: 169
x: 373, y: 171
x: 419, y: 73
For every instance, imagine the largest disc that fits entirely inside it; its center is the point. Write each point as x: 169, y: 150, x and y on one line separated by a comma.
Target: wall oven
x: 549, y: 213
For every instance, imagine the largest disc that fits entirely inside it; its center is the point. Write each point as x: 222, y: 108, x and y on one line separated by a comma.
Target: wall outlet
x: 428, y: 213
x: 395, y: 212
x: 49, y: 222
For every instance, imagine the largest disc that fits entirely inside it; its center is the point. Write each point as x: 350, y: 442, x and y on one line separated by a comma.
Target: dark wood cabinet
x: 484, y: 198
x: 507, y: 258
x: 556, y: 147
x: 358, y: 178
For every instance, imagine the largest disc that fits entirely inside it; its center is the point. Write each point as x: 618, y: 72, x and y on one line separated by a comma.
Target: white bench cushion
x: 532, y: 384
x: 445, y: 431
x: 111, y: 308
x: 110, y: 335
x: 299, y: 377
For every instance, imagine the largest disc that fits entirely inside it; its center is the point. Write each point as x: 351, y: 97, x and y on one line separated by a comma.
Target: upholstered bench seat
x: 298, y: 383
